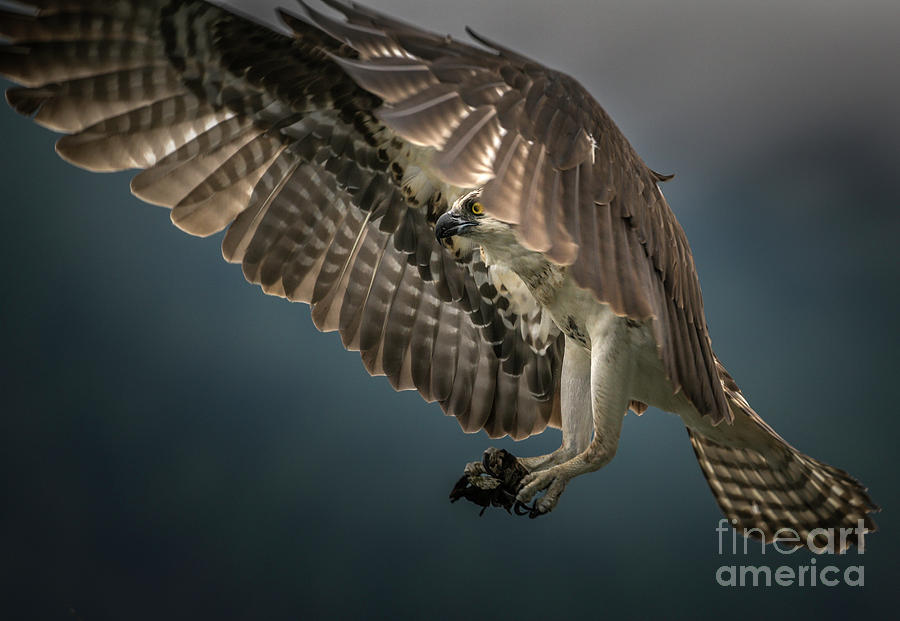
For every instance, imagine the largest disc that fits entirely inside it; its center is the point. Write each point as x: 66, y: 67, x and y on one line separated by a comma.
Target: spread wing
x: 236, y: 126
x: 554, y: 165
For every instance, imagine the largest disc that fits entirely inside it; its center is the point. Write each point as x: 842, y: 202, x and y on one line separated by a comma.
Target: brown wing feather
x: 555, y: 166
x: 237, y: 126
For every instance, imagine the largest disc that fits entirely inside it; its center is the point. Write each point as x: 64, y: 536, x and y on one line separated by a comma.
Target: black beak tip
x: 440, y: 230
x: 450, y: 224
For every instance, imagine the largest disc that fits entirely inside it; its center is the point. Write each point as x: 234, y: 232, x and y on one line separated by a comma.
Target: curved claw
x: 522, y: 509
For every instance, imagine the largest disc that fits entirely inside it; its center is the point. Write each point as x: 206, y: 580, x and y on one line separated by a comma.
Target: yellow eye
x: 477, y: 208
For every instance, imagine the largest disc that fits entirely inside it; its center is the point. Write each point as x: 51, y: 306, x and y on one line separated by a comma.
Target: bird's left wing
x: 238, y: 126
x: 553, y: 165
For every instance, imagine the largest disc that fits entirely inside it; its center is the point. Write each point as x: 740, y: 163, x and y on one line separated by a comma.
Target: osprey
x: 472, y: 222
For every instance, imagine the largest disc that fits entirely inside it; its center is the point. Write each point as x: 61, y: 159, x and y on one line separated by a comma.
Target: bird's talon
x: 521, y: 508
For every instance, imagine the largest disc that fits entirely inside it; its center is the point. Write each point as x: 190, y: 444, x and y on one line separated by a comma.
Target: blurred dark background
x: 177, y: 445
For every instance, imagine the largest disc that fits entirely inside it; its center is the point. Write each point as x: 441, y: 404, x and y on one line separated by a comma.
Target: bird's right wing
x: 240, y: 127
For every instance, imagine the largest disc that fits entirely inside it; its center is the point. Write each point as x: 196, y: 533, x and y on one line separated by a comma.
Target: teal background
x: 177, y: 445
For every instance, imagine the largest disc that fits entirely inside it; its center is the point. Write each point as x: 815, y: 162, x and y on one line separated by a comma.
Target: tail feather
x: 764, y: 485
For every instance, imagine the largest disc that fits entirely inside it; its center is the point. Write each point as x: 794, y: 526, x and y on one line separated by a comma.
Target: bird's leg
x: 611, y: 370
x: 593, y: 397
x: 575, y: 411
x: 575, y: 406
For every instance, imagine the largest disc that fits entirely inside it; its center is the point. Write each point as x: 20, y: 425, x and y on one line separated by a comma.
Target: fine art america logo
x: 811, y: 573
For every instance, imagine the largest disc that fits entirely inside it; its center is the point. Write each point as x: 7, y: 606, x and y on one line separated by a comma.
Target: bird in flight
x: 470, y: 221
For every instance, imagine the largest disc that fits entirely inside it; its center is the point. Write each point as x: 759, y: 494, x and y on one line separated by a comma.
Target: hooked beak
x: 450, y: 224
